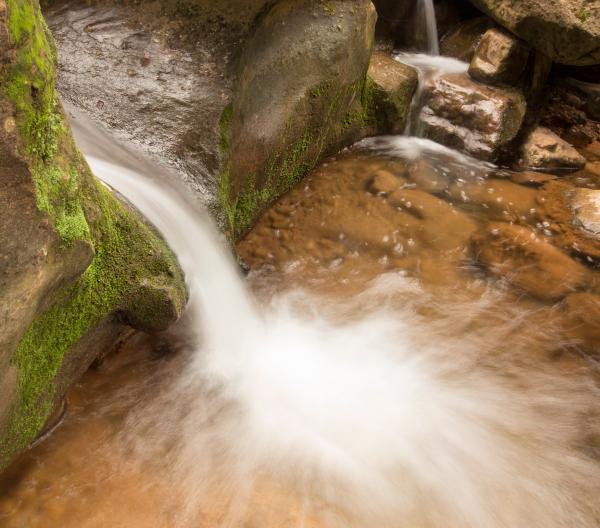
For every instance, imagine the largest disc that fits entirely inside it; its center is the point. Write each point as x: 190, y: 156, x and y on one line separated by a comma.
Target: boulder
x: 462, y: 41
x: 500, y: 58
x: 475, y: 118
x: 568, y: 31
x: 585, y: 204
x: 521, y: 257
x: 74, y: 258
x: 544, y: 150
x: 570, y: 215
x: 313, y: 57
x: 393, y: 87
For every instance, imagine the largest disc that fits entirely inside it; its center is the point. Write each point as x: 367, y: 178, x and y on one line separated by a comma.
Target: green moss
x: 294, y: 158
x: 129, y: 255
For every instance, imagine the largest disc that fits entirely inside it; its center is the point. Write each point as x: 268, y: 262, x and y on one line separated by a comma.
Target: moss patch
x: 129, y: 255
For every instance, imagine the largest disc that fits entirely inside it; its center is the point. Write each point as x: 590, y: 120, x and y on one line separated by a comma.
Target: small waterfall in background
x: 428, y: 12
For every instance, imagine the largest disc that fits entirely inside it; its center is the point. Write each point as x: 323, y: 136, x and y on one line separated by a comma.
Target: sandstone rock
x: 568, y: 31
x: 585, y: 204
x: 432, y: 212
x: 582, y: 316
x: 496, y: 199
x: 428, y: 177
x: 478, y: 119
x: 72, y: 254
x: 543, y: 149
x: 312, y: 56
x: 558, y: 204
x: 462, y: 42
x: 394, y: 85
x: 500, y: 58
x: 384, y: 182
x: 527, y: 261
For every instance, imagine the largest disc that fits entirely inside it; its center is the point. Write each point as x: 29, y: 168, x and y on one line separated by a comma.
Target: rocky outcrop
x: 544, y: 150
x: 313, y: 57
x: 475, y: 118
x: 567, y: 31
x: 75, y: 261
x: 527, y: 261
x: 500, y: 58
x: 462, y: 41
x: 393, y: 86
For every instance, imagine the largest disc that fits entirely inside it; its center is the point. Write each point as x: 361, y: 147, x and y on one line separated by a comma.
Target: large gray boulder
x: 300, y: 94
x: 475, y: 118
x: 76, y: 264
x: 567, y: 31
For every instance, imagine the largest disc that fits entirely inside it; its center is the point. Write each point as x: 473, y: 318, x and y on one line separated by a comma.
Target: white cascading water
x: 369, y: 419
x: 428, y: 10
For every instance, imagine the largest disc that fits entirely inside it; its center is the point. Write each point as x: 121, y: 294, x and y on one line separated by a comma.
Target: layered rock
x: 544, y: 150
x: 500, y: 58
x: 568, y: 31
x: 527, y: 261
x: 479, y: 119
x: 75, y: 261
x: 313, y: 57
x: 393, y: 87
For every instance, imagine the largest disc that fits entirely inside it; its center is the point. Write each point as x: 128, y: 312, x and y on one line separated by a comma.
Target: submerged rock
x: 527, y: 261
x: 500, y: 58
x: 73, y: 257
x: 560, y: 206
x: 472, y: 117
x: 568, y: 31
x: 394, y: 85
x: 544, y: 150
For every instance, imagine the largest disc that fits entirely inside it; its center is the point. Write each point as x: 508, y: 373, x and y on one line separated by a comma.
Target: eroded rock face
x: 313, y: 57
x: 472, y: 117
x: 525, y: 260
x: 568, y: 31
x: 544, y: 150
x: 394, y: 85
x: 500, y: 58
x: 73, y: 256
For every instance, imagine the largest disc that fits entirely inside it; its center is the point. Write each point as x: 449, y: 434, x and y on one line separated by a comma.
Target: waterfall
x: 375, y: 421
x: 428, y: 10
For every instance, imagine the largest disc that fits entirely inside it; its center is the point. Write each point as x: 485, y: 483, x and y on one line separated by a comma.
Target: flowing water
x: 374, y: 376
x: 428, y: 10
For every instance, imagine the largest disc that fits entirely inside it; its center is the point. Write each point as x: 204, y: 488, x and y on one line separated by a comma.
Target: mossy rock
x: 75, y: 259
x: 300, y: 94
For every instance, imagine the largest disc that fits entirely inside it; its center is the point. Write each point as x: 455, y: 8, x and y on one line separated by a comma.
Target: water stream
x: 371, y: 379
x: 428, y: 10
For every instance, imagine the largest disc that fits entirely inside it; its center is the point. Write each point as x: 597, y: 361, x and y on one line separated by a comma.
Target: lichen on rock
x: 74, y: 256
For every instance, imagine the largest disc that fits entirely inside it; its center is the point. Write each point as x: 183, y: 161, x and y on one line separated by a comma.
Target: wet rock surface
x: 73, y: 254
x: 164, y: 96
x: 394, y: 85
x: 500, y: 58
x: 475, y: 118
x: 462, y: 41
x: 585, y: 204
x: 544, y: 150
